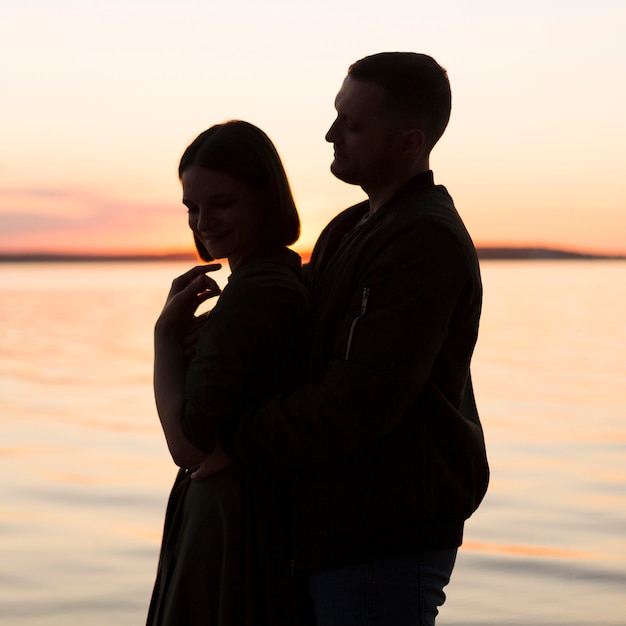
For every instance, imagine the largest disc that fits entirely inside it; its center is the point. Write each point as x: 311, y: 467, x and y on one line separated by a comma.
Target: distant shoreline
x: 40, y: 257
x: 529, y: 253
x: 484, y: 253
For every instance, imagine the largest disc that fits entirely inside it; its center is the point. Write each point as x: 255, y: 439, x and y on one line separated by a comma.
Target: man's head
x: 417, y: 89
x: 391, y: 110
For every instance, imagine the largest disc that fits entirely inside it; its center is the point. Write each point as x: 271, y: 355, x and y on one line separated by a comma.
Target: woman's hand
x: 187, y: 293
x: 217, y: 461
x: 191, y: 334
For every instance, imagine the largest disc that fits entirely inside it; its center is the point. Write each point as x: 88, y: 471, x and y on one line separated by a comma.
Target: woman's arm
x: 170, y: 362
x: 169, y: 382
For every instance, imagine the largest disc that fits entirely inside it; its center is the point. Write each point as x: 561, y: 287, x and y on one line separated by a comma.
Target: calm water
x: 85, y: 473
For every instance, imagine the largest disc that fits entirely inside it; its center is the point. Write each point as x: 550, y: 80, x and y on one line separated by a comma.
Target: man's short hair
x: 418, y: 89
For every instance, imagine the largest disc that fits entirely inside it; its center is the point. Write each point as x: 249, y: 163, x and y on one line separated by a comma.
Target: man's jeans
x: 399, y: 592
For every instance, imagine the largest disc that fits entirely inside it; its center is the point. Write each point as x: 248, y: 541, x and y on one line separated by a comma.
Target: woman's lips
x: 211, y: 237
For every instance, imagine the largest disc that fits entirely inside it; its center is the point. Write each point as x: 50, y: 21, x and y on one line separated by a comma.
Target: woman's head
x: 237, y: 151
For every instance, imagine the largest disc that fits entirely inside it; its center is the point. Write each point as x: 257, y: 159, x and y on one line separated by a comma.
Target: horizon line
x: 484, y: 252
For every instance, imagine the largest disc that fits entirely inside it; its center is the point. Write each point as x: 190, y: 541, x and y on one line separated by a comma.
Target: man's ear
x: 413, y: 140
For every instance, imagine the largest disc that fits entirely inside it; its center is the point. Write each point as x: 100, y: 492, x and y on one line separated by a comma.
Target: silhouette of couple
x: 322, y: 417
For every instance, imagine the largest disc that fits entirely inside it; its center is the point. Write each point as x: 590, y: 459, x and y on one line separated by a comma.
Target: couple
x: 323, y: 419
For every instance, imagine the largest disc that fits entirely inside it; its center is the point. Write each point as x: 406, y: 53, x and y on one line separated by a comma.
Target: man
x: 385, y: 442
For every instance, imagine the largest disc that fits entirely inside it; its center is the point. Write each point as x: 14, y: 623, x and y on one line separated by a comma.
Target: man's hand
x: 217, y: 461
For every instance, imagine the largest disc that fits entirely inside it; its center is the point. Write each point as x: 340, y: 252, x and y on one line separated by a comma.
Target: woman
x: 224, y: 557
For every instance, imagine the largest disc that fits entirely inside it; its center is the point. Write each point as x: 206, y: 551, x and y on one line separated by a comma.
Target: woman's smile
x: 223, y: 213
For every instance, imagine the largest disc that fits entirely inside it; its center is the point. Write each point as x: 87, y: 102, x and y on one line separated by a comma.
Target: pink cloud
x: 60, y: 218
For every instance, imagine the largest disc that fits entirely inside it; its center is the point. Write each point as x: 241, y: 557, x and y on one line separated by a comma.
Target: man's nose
x: 331, y: 135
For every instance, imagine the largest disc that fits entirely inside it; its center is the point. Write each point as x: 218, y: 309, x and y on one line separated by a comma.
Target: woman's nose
x: 206, y: 220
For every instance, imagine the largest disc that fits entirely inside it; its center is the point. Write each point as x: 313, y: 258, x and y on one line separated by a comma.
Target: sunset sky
x: 100, y: 97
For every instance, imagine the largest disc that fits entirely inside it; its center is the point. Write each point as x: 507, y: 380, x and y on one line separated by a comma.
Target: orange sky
x: 100, y: 99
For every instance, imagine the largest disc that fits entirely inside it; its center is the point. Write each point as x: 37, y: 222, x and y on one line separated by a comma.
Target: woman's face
x: 224, y: 213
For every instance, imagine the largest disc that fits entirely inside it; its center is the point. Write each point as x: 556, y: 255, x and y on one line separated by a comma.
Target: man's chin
x: 342, y: 173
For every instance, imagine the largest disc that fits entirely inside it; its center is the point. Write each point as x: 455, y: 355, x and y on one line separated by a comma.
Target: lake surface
x: 85, y: 473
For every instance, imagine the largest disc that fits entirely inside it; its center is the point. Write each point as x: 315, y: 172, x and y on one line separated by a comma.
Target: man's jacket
x: 385, y: 442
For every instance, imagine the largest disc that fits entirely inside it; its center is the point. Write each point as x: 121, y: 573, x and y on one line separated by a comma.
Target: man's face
x: 365, y: 139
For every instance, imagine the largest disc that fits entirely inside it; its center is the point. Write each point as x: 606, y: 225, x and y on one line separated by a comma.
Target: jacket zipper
x: 364, y: 297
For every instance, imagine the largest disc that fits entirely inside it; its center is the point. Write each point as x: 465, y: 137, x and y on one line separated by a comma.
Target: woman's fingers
x: 205, y: 286
x: 184, y: 303
x: 183, y: 281
x: 188, y: 292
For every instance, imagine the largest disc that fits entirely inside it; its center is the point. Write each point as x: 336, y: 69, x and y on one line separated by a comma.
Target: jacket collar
x: 419, y: 182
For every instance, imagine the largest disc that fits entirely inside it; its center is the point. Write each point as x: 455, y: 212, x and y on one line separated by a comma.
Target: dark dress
x: 225, y: 552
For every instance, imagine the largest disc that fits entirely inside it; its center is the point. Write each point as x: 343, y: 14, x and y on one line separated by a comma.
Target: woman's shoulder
x: 275, y: 262
x: 268, y: 278
x: 267, y: 297
x: 280, y: 268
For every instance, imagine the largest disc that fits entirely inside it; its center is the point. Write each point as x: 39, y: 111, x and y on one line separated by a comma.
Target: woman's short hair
x: 242, y: 150
x: 418, y: 88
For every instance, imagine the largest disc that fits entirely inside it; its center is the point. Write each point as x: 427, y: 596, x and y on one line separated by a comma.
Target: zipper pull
x: 364, y: 297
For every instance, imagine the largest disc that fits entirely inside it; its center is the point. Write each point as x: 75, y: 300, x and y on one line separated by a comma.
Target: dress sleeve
x: 241, y: 356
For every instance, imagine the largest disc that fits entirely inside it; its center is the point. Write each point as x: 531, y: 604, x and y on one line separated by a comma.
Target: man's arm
x: 413, y: 288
